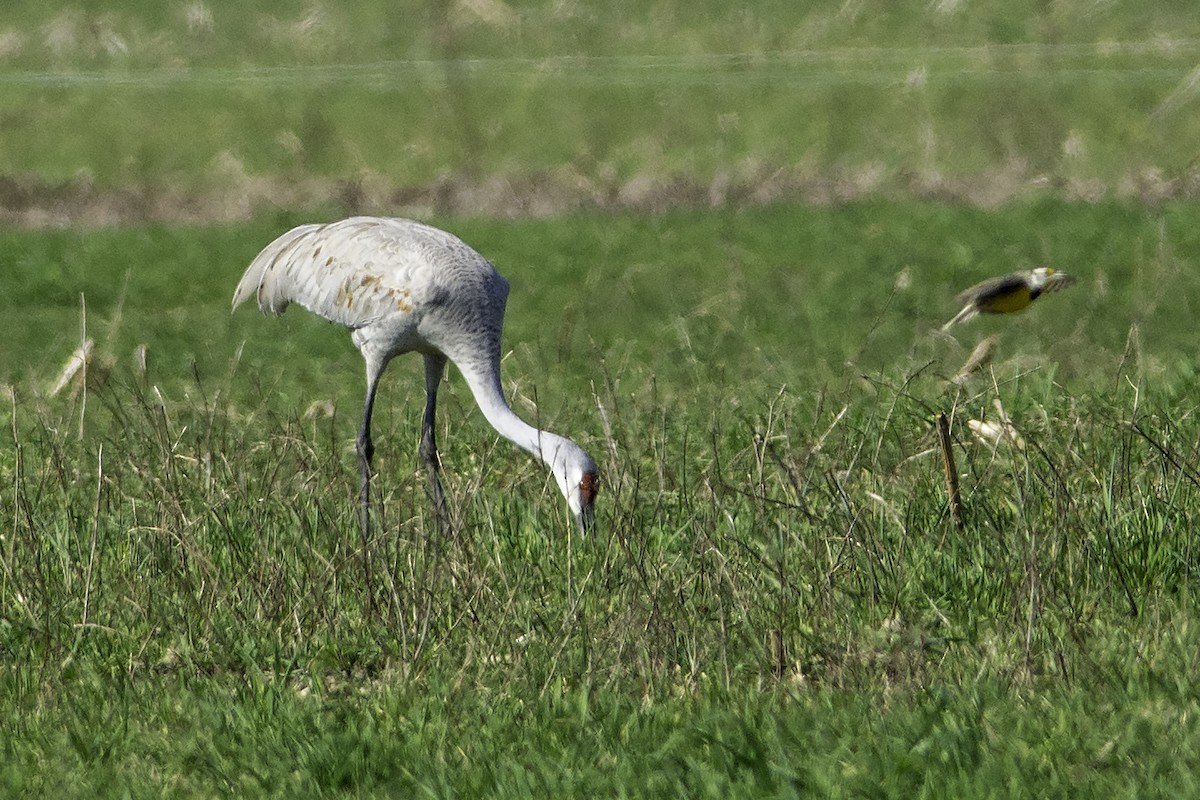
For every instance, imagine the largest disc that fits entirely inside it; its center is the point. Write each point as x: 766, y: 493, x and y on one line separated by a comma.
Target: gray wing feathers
x: 359, y: 270
x: 257, y: 278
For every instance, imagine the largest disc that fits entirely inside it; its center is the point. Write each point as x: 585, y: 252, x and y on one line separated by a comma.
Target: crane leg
x: 366, y: 449
x: 435, y: 366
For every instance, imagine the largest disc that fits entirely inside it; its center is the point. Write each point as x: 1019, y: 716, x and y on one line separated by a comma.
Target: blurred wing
x: 991, y: 288
x: 1058, y: 281
x: 352, y: 272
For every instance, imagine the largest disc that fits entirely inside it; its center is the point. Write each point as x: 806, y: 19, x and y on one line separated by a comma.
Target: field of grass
x: 776, y: 601
x: 220, y: 110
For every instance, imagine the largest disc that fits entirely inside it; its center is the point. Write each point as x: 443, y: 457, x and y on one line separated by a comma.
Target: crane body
x: 402, y: 286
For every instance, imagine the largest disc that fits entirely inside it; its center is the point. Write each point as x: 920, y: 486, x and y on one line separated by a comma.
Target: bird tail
x: 256, y: 278
x: 968, y: 311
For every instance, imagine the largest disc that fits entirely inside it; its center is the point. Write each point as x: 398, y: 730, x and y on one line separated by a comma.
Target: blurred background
x: 210, y: 110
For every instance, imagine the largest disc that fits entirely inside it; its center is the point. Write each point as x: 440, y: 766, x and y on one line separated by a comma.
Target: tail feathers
x: 968, y: 311
x: 257, y: 279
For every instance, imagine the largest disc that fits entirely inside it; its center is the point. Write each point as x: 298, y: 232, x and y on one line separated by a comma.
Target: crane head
x: 589, y: 486
x: 578, y: 479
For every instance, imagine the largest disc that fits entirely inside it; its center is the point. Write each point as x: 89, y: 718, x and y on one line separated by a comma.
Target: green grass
x: 858, y: 284
x: 973, y: 742
x: 776, y: 602
x: 183, y: 603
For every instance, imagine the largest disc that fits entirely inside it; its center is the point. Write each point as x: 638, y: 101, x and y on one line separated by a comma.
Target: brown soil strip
x: 28, y: 202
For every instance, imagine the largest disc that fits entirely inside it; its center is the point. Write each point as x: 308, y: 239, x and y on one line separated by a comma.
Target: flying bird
x: 401, y: 286
x: 1010, y: 293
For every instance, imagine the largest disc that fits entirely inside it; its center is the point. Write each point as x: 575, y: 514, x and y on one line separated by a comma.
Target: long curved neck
x: 485, y: 386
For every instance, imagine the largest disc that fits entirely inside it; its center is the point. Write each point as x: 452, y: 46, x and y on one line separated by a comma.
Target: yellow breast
x: 1007, y: 302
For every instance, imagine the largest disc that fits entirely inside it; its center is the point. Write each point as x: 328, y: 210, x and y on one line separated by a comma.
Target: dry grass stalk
x: 943, y: 428
x: 76, y: 364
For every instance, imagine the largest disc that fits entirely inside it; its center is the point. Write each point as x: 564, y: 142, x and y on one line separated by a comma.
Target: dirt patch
x: 29, y: 202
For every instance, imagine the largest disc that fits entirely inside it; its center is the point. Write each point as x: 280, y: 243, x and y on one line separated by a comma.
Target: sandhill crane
x: 1010, y: 293
x: 401, y: 286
